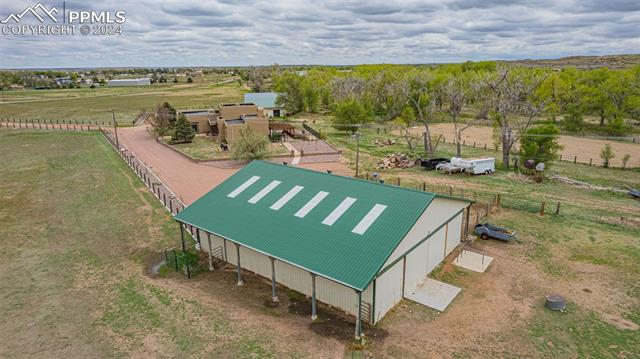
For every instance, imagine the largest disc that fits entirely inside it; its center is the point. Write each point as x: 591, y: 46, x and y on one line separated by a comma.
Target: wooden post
x: 542, y: 209
x: 575, y: 159
x: 424, y: 186
x: 558, y: 208
x: 590, y: 161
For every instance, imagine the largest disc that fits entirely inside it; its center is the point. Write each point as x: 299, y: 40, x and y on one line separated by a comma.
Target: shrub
x: 349, y: 114
x: 540, y: 144
x: 250, y: 146
x: 606, y: 154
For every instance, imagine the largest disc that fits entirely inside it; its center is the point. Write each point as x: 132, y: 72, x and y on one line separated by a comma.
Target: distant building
x: 265, y: 101
x: 129, y: 82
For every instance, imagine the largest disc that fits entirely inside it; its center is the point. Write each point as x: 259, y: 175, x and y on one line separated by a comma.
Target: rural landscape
x: 478, y: 208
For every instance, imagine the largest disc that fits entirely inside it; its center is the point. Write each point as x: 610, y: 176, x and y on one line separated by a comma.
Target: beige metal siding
x: 438, y: 212
x: 388, y: 290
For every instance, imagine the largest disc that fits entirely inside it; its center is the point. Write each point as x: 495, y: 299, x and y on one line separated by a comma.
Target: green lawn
x: 205, y: 148
x: 78, y: 232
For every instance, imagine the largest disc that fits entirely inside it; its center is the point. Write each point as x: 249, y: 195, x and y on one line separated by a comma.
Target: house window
x: 194, y: 125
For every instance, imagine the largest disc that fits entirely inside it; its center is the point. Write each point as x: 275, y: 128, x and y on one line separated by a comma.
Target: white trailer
x: 475, y: 166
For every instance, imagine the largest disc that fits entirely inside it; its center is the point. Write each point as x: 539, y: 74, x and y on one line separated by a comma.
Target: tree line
x: 514, y: 98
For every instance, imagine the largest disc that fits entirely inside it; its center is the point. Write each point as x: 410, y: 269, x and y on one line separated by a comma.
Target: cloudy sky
x: 226, y: 32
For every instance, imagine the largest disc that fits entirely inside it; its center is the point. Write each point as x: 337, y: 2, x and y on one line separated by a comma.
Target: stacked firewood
x: 396, y: 160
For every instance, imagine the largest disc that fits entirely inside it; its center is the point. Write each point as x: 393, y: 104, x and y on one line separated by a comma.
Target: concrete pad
x: 476, y: 262
x: 434, y: 294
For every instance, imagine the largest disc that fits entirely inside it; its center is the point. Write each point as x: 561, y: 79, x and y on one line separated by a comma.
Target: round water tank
x: 556, y: 302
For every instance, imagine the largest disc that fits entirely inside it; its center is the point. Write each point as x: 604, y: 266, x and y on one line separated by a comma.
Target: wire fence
x: 486, y: 203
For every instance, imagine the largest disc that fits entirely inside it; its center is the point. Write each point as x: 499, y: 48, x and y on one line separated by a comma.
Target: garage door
x: 436, y: 250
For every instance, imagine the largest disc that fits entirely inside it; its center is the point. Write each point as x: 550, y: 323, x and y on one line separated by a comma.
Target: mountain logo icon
x: 39, y: 11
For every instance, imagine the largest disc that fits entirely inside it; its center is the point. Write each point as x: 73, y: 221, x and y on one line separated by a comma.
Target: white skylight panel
x: 286, y: 198
x: 369, y: 219
x: 313, y: 202
x: 338, y: 211
x: 258, y: 196
x: 243, y: 186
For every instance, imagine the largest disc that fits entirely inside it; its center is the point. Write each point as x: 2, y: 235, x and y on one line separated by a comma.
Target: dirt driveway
x: 584, y: 148
x: 190, y: 180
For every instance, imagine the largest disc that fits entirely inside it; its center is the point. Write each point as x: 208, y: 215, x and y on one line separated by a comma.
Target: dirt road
x: 190, y: 180
x: 585, y: 149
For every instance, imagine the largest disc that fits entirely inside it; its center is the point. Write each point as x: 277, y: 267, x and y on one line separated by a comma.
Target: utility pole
x: 115, y: 129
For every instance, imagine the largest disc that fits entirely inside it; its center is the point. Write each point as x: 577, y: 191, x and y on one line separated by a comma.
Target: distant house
x: 129, y: 82
x: 265, y: 101
x: 228, y: 120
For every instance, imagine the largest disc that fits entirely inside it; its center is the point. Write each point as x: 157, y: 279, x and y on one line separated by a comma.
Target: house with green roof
x: 267, y: 101
x: 353, y: 244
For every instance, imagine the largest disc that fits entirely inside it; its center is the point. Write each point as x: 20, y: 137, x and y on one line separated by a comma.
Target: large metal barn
x: 353, y: 244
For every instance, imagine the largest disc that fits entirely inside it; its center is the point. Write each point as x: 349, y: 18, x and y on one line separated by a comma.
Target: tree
x: 454, y: 93
x: 184, y: 131
x: 175, y: 80
x: 290, y: 92
x: 404, y: 121
x: 625, y: 160
x: 166, y: 114
x: 349, y: 115
x: 606, y: 154
x: 541, y: 144
x: 189, y: 79
x: 423, y: 101
x: 250, y: 146
x: 511, y: 93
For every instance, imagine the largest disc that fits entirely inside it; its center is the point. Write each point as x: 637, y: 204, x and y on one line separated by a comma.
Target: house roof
x: 262, y: 99
x: 337, y: 227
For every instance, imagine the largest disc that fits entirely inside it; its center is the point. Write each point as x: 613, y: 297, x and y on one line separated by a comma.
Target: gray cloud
x: 252, y: 32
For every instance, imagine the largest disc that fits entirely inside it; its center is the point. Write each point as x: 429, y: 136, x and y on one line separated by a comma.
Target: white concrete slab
x: 434, y: 294
x: 476, y: 262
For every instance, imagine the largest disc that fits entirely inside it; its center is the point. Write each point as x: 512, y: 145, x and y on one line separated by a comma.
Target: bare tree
x: 454, y: 94
x: 511, y: 95
x: 390, y: 93
x: 344, y: 88
x: 423, y: 101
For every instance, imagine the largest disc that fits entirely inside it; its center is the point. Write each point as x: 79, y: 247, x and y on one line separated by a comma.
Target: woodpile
x: 396, y: 160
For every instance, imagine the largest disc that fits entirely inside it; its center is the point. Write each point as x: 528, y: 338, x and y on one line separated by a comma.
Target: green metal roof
x: 261, y: 99
x: 347, y: 236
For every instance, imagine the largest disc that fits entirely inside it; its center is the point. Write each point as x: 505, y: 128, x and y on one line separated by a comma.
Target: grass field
x: 595, y: 265
x: 79, y: 231
x: 94, y: 104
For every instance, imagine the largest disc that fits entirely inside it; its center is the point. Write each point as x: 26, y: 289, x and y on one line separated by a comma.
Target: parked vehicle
x: 487, y: 230
x: 430, y: 164
x: 634, y: 193
x: 475, y: 166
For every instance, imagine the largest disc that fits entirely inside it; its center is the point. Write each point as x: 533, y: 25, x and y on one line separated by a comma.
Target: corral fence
x: 63, y: 125
x: 486, y: 202
x: 313, y: 131
x: 565, y: 157
x: 183, y: 258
